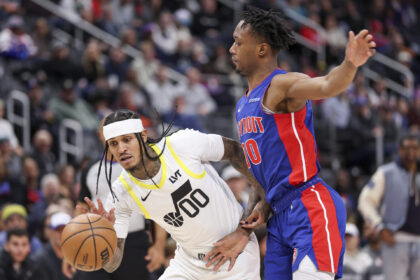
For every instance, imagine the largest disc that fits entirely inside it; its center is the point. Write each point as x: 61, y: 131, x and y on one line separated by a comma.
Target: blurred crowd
x: 68, y: 74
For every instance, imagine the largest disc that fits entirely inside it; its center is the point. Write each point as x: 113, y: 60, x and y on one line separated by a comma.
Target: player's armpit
x: 115, y: 262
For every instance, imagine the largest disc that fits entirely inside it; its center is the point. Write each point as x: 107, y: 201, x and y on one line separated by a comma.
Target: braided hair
x: 121, y: 115
x: 270, y: 25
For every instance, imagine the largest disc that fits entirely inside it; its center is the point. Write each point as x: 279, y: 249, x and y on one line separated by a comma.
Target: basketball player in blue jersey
x: 274, y: 120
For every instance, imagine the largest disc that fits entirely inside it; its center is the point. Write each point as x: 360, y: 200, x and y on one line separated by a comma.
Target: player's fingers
x: 214, y: 260
x: 368, y: 37
x: 362, y: 34
x: 232, y: 263
x: 100, y: 205
x: 372, y: 44
x: 91, y: 204
x: 111, y: 215
x: 210, y: 254
x: 351, y: 36
x: 371, y: 52
x: 220, y: 263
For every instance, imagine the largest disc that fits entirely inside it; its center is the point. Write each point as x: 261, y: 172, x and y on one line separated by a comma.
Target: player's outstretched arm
x: 359, y: 49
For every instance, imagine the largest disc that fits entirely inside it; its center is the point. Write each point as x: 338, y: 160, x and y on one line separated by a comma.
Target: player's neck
x: 151, y: 166
x: 260, y: 73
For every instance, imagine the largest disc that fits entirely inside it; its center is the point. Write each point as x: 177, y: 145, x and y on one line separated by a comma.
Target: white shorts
x: 308, y: 271
x: 185, y: 267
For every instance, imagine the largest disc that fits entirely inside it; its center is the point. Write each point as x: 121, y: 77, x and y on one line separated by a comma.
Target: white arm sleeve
x: 208, y: 147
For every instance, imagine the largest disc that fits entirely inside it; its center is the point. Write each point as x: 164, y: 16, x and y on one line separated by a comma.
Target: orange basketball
x: 88, y: 242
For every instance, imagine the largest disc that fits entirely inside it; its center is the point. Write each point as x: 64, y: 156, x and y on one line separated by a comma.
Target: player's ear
x: 262, y: 49
x: 144, y: 135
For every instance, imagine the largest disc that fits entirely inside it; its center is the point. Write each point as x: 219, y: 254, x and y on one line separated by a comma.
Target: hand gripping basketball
x: 100, y: 210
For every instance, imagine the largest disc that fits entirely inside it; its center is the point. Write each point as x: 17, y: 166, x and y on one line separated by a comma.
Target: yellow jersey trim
x: 133, y: 195
x: 162, y: 180
x: 183, y: 166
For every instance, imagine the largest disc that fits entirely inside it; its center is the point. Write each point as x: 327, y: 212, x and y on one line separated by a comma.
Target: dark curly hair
x: 270, y: 25
x: 121, y: 115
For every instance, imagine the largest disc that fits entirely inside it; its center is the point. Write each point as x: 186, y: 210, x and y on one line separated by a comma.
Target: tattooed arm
x: 115, y: 262
x: 230, y: 246
x: 235, y: 155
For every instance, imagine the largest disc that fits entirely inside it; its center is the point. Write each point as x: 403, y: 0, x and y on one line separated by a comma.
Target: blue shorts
x: 313, y: 224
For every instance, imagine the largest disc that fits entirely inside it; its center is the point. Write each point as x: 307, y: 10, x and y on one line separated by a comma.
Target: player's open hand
x: 100, y: 210
x: 258, y: 216
x: 228, y: 248
x: 360, y: 47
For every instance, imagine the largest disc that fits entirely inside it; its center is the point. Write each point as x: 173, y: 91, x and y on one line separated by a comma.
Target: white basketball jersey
x: 191, y: 202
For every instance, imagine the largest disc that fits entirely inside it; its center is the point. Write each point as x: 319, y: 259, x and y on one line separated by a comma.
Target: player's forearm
x: 115, y: 262
x: 159, y: 237
x: 339, y: 79
x: 235, y: 155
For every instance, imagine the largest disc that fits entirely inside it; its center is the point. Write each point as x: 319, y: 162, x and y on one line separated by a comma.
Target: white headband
x: 122, y: 127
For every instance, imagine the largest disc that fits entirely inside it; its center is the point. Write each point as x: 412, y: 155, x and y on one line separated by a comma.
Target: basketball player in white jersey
x: 172, y: 183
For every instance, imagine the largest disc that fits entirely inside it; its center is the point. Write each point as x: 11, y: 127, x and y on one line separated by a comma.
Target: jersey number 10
x: 252, y: 152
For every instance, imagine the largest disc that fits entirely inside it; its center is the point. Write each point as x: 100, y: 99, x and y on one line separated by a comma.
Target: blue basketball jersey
x: 280, y: 149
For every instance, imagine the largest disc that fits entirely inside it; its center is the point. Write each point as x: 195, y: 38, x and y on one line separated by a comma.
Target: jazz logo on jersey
x: 175, y: 177
x: 186, y: 201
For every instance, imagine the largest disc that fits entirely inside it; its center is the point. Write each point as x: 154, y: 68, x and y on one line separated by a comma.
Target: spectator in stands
x: 165, y: 36
x: 61, y: 66
x: 66, y: 176
x: 373, y: 249
x: 237, y: 183
x: 336, y: 38
x: 122, y: 13
x: 145, y: 67
x: 208, y: 22
x: 132, y: 99
x: 15, y: 263
x: 356, y: 262
x: 93, y: 61
x: 12, y: 160
x: 129, y: 37
x: 337, y: 110
x: 15, y: 216
x: 49, y: 259
x: 50, y: 194
x: 68, y: 105
x: 30, y: 182
x: 42, y: 153
x: 39, y: 114
x: 414, y: 114
x: 42, y: 38
x: 7, y: 193
x: 197, y: 98
x: 117, y: 65
x: 14, y: 42
x: 162, y: 92
x: 390, y: 203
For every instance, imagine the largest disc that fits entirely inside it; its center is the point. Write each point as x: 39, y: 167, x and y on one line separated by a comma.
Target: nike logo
x: 144, y: 198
